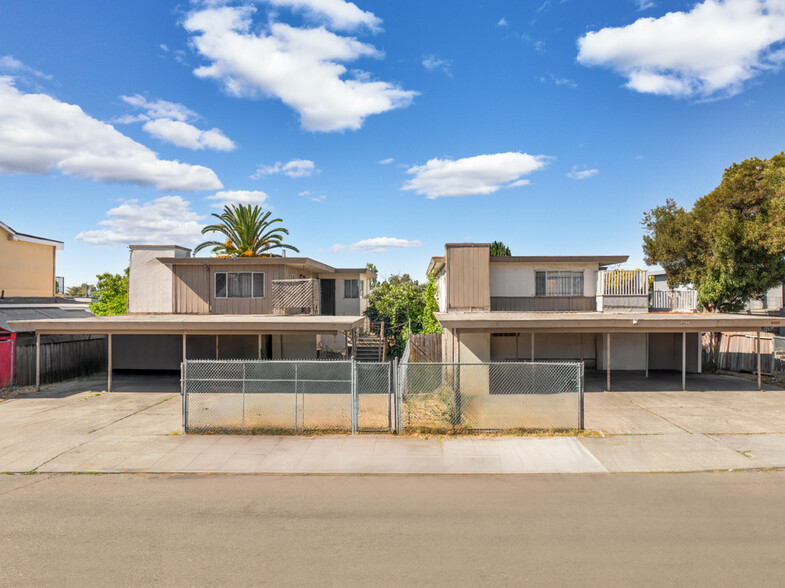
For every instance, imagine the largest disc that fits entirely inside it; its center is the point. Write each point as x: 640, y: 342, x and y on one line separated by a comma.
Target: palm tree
x: 248, y: 233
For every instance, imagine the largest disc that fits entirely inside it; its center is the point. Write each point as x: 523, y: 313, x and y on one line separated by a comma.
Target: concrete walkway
x: 72, y: 428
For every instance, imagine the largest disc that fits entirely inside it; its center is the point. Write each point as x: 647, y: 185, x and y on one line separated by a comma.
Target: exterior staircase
x: 369, y: 348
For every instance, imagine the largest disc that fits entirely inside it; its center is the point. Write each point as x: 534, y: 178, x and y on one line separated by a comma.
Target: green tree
x: 731, y: 245
x: 80, y: 291
x: 499, y: 249
x: 249, y: 232
x: 111, y: 296
x: 429, y: 322
x: 374, y: 281
x: 399, y: 302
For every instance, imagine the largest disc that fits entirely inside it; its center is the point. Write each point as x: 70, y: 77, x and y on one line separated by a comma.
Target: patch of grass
x: 91, y: 395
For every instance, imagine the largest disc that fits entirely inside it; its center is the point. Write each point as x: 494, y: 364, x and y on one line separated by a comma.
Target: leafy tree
x: 249, y: 232
x: 81, y: 291
x: 111, y: 296
x: 399, y: 302
x: 374, y: 281
x: 429, y: 322
x: 731, y: 245
x: 499, y: 249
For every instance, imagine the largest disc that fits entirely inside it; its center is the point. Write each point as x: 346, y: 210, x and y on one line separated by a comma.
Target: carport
x: 212, y: 327
x: 468, y: 335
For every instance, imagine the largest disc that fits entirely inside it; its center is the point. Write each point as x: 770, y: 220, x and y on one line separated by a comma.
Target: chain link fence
x: 346, y: 396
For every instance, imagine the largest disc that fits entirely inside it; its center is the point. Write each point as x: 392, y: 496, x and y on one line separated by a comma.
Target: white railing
x: 674, y: 300
x: 623, y: 283
x: 768, y: 303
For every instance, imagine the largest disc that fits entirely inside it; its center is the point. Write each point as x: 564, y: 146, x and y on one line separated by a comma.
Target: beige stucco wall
x: 349, y: 306
x: 150, y: 281
x: 517, y: 279
x: 26, y: 269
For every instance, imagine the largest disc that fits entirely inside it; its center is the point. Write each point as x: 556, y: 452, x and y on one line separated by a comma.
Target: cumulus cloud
x: 581, y: 174
x: 297, y: 168
x: 338, y: 14
x: 225, y: 197
x: 709, y: 51
x: 39, y: 134
x: 188, y: 136
x: 376, y: 245
x: 482, y: 174
x: 167, y: 121
x: 302, y: 67
x: 168, y: 219
x: 432, y: 63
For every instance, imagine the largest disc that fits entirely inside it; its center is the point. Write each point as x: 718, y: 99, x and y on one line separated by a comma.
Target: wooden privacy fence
x: 738, y: 352
x: 426, y: 348
x: 61, y: 358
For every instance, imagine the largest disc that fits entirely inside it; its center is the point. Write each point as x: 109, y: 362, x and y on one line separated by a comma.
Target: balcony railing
x: 668, y: 300
x: 296, y: 296
x: 623, y: 291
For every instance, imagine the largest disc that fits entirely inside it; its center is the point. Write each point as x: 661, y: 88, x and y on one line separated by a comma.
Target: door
x: 328, y: 297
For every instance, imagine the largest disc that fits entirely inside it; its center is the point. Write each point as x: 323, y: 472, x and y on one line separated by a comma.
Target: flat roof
x: 601, y: 259
x: 168, y: 324
x: 603, y: 322
x: 301, y: 262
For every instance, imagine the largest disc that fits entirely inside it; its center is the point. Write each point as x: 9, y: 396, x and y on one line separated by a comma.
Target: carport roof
x: 603, y: 322
x: 162, y: 324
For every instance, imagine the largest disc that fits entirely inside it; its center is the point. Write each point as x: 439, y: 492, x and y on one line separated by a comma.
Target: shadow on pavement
x: 667, y: 381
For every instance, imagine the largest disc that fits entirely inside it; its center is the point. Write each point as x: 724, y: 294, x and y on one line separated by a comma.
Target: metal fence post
x: 185, y: 395
x: 354, y: 397
x: 389, y: 394
x: 398, y: 398
x: 295, y: 401
x: 580, y: 395
x: 243, y: 396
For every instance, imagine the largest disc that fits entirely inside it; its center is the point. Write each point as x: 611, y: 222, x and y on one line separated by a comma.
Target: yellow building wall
x: 26, y: 269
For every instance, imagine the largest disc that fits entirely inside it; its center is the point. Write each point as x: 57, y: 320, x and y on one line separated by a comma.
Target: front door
x: 328, y: 297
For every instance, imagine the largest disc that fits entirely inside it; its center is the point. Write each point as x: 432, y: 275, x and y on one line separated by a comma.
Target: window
x: 351, y: 288
x: 548, y: 283
x: 239, y: 285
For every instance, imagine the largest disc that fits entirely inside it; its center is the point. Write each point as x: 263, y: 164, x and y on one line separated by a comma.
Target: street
x: 706, y: 529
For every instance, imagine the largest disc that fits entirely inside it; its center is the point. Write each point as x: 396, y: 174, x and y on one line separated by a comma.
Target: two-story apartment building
x: 552, y: 308
x: 27, y: 264
x: 181, y: 306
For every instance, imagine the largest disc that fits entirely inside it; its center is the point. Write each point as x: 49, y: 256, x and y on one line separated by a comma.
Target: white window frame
x: 573, y: 274
x: 227, y: 297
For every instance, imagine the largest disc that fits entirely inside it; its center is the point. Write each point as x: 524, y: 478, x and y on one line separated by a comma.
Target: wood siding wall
x: 194, y: 291
x: 542, y: 303
x: 468, y: 277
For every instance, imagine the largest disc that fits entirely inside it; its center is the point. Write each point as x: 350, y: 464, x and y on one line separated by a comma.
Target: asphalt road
x: 713, y: 529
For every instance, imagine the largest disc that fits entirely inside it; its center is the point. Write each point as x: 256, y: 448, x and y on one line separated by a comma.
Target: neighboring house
x: 665, y: 299
x: 225, y: 308
x: 553, y: 308
x: 27, y: 264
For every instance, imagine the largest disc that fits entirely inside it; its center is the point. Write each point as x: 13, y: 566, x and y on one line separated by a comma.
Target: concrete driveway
x: 722, y: 424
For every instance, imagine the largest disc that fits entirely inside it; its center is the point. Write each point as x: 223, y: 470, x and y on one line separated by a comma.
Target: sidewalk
x: 68, y: 431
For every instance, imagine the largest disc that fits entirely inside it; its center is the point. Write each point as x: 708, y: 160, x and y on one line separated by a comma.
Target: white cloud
x: 225, y: 197
x: 303, y: 67
x: 502, y: 22
x: 564, y: 82
x: 11, y: 65
x: 644, y: 4
x: 376, y: 245
x: 168, y: 219
x: 312, y: 196
x: 581, y: 174
x: 431, y: 63
x: 160, y: 108
x: 386, y: 161
x: 710, y: 50
x: 482, y: 174
x: 188, y: 136
x: 167, y: 121
x: 297, y: 168
x: 39, y: 134
x: 338, y: 14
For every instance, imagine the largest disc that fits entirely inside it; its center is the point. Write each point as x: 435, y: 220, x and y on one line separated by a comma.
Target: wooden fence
x: 738, y: 353
x: 62, y: 357
x: 425, y: 348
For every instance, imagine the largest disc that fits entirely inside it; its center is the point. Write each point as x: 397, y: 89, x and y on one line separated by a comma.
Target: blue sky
x: 377, y: 130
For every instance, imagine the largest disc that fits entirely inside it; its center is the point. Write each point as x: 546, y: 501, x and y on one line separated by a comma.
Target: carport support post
x: 684, y: 361
x: 607, y: 362
x: 532, y: 346
x: 259, y: 346
x: 216, y: 347
x: 109, y: 362
x: 647, y: 356
x: 37, y: 361
x: 700, y: 353
x: 184, y: 347
x: 757, y: 349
